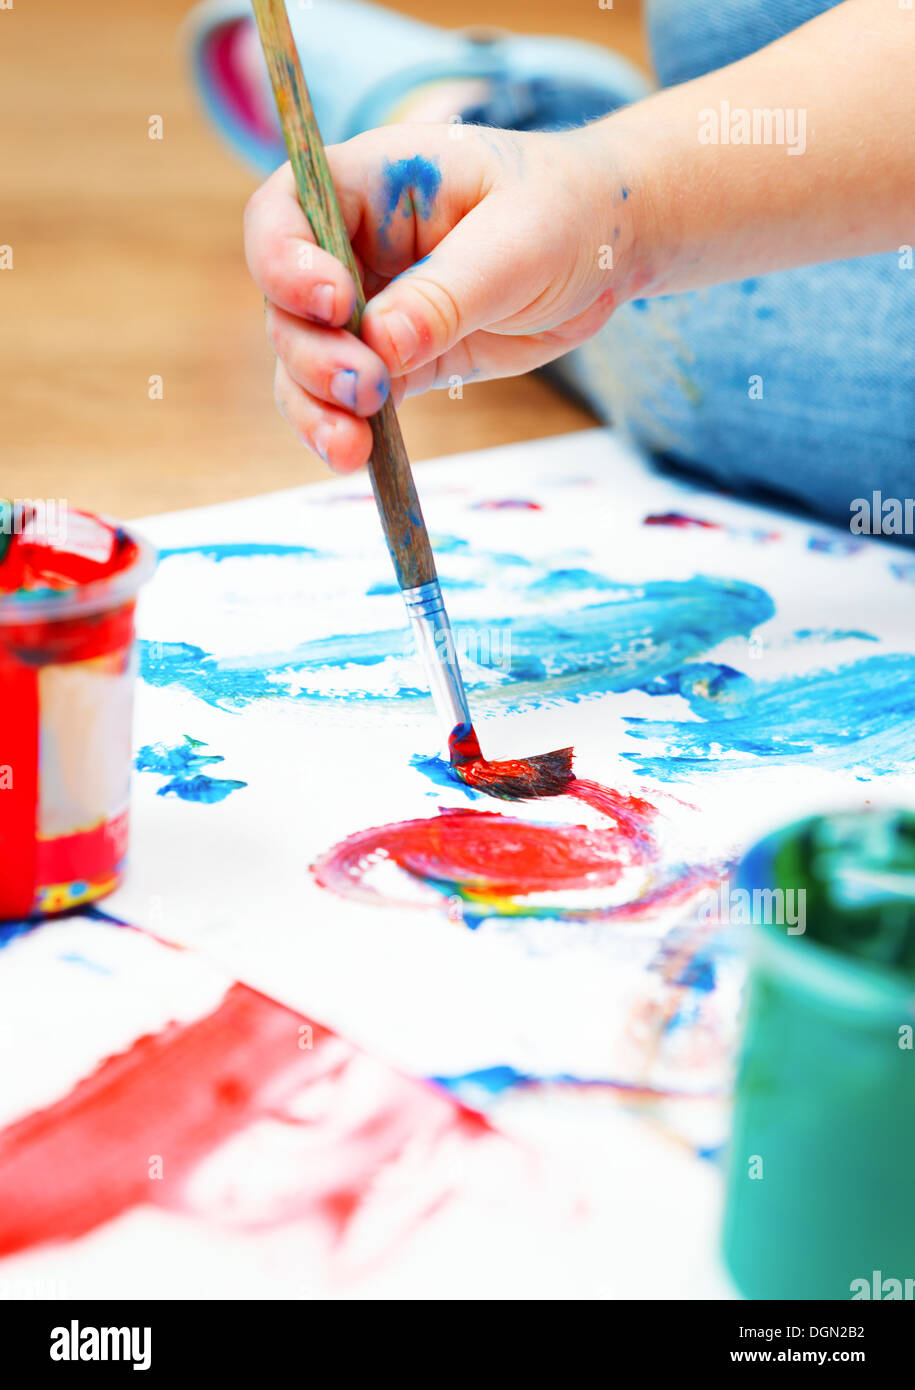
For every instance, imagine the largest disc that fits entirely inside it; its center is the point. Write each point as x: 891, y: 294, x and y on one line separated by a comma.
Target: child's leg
x: 800, y: 383
x: 691, y: 37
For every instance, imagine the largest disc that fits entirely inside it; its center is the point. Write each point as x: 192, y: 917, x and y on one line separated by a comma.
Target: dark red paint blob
x: 681, y: 521
x: 69, y: 1168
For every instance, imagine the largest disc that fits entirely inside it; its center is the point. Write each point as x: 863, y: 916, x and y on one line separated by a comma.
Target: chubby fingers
x: 284, y: 261
x: 331, y: 364
x: 341, y: 439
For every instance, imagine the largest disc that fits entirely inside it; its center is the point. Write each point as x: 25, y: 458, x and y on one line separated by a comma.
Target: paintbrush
x: 547, y: 774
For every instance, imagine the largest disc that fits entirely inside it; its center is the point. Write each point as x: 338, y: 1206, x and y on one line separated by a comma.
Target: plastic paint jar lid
x: 856, y: 871
x: 20, y: 609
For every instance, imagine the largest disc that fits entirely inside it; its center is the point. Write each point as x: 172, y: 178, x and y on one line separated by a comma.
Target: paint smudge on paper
x: 634, y: 635
x: 496, y: 865
x: 905, y: 572
x: 669, y: 1044
x: 495, y: 1081
x: 456, y: 545
x: 565, y: 581
x: 835, y: 545
x: 217, y: 552
x: 681, y: 521
x: 192, y: 1094
x: 441, y: 772
x: 859, y: 716
x: 825, y: 634
x: 387, y: 587
x: 182, y: 764
x: 702, y: 684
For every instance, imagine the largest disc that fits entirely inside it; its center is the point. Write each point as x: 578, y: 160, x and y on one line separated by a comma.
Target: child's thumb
x: 469, y: 281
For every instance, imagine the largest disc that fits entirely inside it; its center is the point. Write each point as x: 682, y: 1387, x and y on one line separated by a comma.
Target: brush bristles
x: 520, y: 779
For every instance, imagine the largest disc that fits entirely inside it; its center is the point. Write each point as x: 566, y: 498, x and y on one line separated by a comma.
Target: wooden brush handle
x: 389, y: 467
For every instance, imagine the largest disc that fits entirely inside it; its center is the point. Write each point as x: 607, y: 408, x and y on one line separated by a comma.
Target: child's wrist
x: 615, y: 176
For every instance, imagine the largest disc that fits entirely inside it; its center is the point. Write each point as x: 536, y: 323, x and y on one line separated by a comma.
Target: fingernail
x: 404, y: 337
x: 343, y: 388
x: 320, y: 303
x: 321, y: 441
x: 384, y: 390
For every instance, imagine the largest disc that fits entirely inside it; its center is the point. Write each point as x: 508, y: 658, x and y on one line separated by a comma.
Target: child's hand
x: 513, y: 241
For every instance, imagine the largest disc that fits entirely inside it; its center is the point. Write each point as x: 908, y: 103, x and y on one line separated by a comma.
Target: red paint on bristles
x: 515, y: 779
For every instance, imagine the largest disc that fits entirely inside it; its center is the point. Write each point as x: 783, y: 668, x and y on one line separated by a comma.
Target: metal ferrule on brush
x: 435, y: 647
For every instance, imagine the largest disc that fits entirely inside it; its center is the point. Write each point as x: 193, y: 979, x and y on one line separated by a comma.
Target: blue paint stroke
x: 473, y: 1088
x: 202, y: 788
x: 638, y: 634
x: 72, y: 958
x: 839, y: 634
x: 861, y: 715
x: 567, y: 581
x: 385, y: 587
x: 834, y: 545
x: 449, y: 545
x: 440, y: 771
x: 702, y: 684
x: 699, y: 974
x: 455, y: 545
x: 238, y: 550
x: 180, y: 765
x: 11, y: 931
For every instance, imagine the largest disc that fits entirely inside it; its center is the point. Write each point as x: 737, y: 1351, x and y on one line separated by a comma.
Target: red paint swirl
x: 499, y: 859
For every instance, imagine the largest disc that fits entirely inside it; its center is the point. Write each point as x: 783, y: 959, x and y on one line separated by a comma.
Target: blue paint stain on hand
x: 181, y: 764
x: 409, y: 184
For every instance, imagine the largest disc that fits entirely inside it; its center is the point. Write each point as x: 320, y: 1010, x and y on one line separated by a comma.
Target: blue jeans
x: 799, y: 385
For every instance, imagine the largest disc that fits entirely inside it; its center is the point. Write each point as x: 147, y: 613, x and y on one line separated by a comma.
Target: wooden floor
x: 127, y: 265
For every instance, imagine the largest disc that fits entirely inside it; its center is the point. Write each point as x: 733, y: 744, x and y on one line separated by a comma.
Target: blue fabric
x: 690, y: 37
x: 543, y: 104
x: 799, y: 384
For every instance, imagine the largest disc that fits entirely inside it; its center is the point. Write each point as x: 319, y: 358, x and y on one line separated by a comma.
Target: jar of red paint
x: 68, y: 589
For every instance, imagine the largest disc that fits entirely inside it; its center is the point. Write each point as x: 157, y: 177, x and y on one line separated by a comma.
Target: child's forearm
x: 829, y: 170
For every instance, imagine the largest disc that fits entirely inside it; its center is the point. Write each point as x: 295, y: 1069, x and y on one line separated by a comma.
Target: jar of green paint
x: 821, y: 1183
